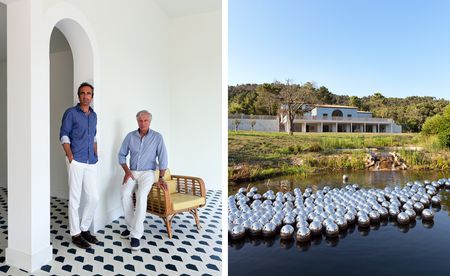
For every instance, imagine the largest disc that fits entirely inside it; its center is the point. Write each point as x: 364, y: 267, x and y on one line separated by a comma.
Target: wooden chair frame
x: 159, y: 201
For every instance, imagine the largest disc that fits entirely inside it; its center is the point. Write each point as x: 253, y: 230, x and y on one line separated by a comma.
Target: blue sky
x: 399, y: 48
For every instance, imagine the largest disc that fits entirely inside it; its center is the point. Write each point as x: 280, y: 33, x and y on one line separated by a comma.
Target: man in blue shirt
x: 78, y: 138
x: 147, y: 152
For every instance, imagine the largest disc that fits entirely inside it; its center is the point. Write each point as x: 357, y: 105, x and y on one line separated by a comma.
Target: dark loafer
x: 88, y: 237
x: 80, y: 242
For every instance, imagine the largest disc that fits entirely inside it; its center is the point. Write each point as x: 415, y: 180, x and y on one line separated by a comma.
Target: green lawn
x: 258, y: 155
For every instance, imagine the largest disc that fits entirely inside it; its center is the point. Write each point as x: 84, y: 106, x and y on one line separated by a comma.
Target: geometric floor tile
x: 189, y: 252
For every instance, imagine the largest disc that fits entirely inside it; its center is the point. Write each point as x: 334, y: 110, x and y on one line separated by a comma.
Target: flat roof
x: 335, y: 106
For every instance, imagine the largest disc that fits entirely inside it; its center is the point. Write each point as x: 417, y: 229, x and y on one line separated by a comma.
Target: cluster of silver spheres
x: 328, y: 210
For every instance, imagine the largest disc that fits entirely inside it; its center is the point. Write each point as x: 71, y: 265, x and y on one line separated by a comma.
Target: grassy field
x: 259, y: 155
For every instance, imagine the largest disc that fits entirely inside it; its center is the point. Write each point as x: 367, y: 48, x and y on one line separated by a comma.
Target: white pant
x: 82, y: 177
x: 134, y: 217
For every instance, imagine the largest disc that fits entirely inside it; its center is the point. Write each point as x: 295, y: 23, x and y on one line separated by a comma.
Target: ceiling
x: 173, y: 8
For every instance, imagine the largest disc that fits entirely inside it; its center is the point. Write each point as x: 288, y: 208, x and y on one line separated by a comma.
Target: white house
x: 160, y: 55
x: 337, y: 118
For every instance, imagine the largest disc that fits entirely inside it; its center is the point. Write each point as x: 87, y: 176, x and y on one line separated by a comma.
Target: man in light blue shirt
x: 147, y: 153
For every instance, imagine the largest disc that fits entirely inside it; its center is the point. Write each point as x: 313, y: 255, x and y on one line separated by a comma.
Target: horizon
x: 399, y: 49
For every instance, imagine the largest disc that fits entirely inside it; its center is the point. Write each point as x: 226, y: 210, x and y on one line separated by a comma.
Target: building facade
x: 337, y: 118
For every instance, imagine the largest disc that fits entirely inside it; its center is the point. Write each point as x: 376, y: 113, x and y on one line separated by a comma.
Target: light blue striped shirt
x: 144, y: 152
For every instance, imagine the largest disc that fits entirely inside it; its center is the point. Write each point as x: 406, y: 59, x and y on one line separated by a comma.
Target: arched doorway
x: 28, y: 106
x: 61, y: 97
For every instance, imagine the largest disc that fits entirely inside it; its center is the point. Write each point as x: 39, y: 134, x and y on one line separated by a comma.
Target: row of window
x: 325, y: 115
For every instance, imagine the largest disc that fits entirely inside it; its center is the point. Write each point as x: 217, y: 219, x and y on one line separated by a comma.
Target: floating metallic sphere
x: 407, y: 206
x: 411, y: 214
x: 327, y: 221
x: 269, y: 229
x: 289, y: 220
x: 270, y: 197
x: 315, y: 227
x: 332, y: 230
x: 384, y: 213
x: 247, y: 224
x: 237, y: 232
x: 418, y: 207
x: 393, y: 212
x: 242, y: 190
x: 374, y: 216
x: 402, y: 218
x: 427, y: 214
x: 341, y: 223
x: 256, y: 196
x: 436, y: 200
x: 286, y: 232
x: 447, y: 184
x: 425, y: 201
x: 301, y: 223
x: 303, y: 234
x: 363, y: 220
x: 255, y: 228
x: 350, y: 217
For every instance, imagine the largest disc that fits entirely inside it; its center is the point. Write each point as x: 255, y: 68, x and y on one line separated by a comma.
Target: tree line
x: 267, y: 99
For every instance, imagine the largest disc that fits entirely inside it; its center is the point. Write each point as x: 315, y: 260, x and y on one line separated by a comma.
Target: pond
x: 382, y: 249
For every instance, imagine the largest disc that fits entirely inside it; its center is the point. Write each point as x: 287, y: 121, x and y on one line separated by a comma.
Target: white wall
x: 61, y: 98
x: 3, y: 113
x: 132, y: 75
x: 170, y: 66
x: 261, y: 125
x: 195, y: 78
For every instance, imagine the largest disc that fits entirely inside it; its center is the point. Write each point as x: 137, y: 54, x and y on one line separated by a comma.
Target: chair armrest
x: 190, y: 185
x: 159, y: 201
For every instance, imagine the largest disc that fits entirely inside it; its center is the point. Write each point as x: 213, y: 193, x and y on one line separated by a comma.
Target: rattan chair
x: 184, y: 194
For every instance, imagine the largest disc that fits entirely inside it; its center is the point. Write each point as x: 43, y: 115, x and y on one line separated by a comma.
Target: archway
x: 29, y: 245
x: 337, y: 113
x: 61, y: 97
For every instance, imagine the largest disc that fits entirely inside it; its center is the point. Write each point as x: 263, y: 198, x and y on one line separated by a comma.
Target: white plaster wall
x: 261, y: 125
x: 132, y: 74
x: 195, y: 70
x: 61, y: 91
x: 3, y: 113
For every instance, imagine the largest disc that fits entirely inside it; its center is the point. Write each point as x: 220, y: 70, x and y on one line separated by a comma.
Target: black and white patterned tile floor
x: 189, y: 252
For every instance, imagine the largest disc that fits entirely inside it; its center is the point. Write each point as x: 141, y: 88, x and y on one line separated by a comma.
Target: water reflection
x: 387, y: 241
x: 286, y: 243
x: 370, y: 179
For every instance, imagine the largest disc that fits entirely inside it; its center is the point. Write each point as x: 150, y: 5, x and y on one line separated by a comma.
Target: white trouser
x: 141, y: 185
x: 82, y: 178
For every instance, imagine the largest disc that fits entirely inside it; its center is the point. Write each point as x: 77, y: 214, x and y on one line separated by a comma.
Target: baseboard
x: 29, y: 262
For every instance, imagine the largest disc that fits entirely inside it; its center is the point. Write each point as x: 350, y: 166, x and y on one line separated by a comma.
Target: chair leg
x: 197, y: 221
x: 168, y: 223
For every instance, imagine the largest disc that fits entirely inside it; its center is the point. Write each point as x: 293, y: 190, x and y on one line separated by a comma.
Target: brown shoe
x: 88, y: 237
x: 79, y: 241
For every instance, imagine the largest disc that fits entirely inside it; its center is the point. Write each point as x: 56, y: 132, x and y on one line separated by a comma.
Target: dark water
x: 384, y: 249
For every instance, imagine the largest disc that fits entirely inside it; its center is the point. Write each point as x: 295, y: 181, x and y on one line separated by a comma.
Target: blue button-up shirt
x: 79, y: 130
x: 144, y: 151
